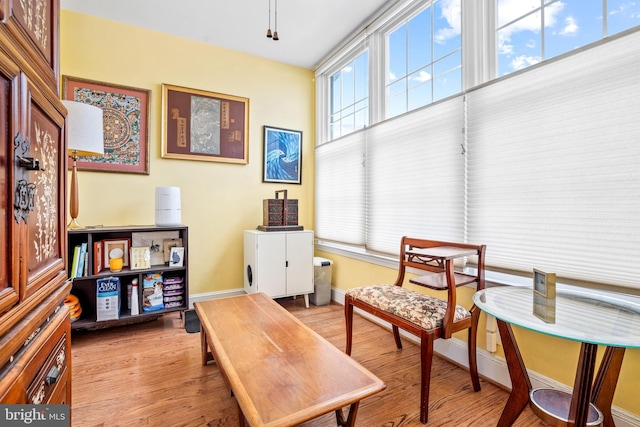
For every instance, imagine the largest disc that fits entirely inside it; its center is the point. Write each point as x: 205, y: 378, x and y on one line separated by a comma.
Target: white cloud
x: 444, y: 34
x: 623, y: 8
x: 570, y: 27
x: 422, y: 77
x: 504, y: 48
x: 452, y: 13
x: 523, y: 61
x: 510, y: 10
x: 551, y: 13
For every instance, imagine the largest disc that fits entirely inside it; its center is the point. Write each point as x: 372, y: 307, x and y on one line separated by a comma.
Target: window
x: 530, y: 31
x: 541, y: 165
x: 349, y: 88
x: 424, y: 58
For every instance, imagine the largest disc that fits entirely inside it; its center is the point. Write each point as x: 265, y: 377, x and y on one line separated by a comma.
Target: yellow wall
x: 219, y: 200
x: 551, y: 357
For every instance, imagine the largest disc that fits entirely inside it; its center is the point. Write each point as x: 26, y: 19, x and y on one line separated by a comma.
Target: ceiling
x: 308, y: 30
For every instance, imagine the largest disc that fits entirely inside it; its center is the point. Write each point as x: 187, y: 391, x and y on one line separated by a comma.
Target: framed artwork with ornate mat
x: 126, y: 124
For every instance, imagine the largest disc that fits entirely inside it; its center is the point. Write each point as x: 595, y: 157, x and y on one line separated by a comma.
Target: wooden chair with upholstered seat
x: 425, y: 316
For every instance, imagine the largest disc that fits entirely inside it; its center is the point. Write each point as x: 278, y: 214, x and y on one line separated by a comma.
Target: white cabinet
x: 279, y: 263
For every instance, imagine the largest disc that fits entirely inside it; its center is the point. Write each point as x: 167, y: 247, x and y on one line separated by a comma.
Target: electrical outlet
x: 492, y: 325
x: 492, y: 339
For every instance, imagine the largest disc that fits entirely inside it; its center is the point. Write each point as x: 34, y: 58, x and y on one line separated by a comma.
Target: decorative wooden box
x: 280, y: 212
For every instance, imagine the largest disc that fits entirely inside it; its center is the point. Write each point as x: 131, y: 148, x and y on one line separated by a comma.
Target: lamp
x: 85, y: 137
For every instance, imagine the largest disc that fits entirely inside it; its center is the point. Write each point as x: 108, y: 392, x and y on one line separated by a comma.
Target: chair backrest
x: 438, y: 259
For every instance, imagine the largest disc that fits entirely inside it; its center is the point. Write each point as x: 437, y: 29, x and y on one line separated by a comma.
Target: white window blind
x: 412, y: 182
x: 340, y: 194
x: 415, y: 177
x: 554, y: 166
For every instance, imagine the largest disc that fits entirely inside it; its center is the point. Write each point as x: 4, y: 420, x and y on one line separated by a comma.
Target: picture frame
x: 282, y: 155
x: 126, y: 124
x: 111, y: 244
x: 205, y: 126
x: 97, y: 257
x: 168, y: 244
x: 544, y: 284
x: 140, y: 257
x: 154, y: 240
x: 176, y: 256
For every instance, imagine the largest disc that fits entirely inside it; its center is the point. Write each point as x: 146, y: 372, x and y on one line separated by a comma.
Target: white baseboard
x: 213, y: 295
x: 490, y: 367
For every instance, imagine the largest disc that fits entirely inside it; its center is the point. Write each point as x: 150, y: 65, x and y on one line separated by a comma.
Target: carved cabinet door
x: 9, y: 256
x: 34, y: 26
x: 45, y: 234
x: 33, y: 239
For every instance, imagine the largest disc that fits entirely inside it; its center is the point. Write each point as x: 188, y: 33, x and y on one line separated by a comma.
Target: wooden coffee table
x: 280, y: 371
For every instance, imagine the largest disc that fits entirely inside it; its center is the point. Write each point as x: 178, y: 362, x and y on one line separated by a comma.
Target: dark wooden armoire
x: 35, y: 365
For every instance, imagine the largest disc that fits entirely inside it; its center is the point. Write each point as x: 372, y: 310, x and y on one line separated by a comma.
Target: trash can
x: 321, y: 281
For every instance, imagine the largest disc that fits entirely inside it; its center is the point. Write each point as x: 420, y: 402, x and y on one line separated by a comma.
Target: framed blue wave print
x: 282, y: 161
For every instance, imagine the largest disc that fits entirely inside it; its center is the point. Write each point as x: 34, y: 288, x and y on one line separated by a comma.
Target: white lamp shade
x: 85, y: 133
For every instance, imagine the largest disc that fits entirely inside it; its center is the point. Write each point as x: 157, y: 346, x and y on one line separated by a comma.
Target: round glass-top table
x: 588, y: 316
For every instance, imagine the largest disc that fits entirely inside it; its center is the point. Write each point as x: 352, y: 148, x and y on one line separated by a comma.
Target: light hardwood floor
x: 150, y: 374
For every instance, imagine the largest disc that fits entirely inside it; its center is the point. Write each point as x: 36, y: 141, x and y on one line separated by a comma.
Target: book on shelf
x: 83, y: 250
x: 74, y: 262
x: 85, y: 272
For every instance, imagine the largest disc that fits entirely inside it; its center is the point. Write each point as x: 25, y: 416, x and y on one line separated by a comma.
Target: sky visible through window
x: 424, y: 58
x: 350, y: 97
x: 530, y: 31
x: 423, y: 52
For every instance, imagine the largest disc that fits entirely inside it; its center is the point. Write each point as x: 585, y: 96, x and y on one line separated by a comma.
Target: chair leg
x: 396, y: 335
x: 426, y: 358
x: 471, y: 348
x: 348, y: 318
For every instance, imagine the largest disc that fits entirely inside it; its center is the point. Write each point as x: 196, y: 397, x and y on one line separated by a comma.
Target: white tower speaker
x: 168, y: 206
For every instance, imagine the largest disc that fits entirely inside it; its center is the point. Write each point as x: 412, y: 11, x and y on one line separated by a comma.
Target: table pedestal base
x: 552, y: 406
x: 585, y: 390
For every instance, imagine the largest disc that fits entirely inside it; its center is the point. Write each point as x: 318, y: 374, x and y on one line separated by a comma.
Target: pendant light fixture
x: 269, y: 27
x: 275, y: 32
x: 273, y: 36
